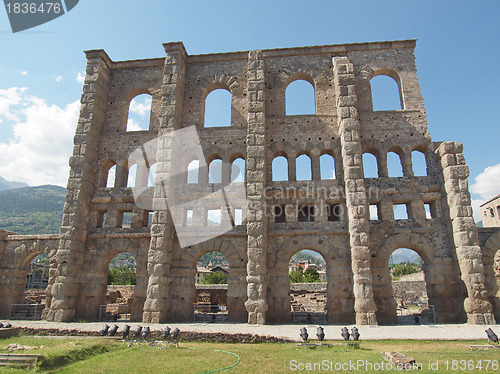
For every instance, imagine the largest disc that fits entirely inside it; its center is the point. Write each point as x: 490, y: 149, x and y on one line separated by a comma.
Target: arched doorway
x: 308, y: 287
x: 212, y: 272
x: 121, y: 281
x: 410, y: 288
x: 402, y: 292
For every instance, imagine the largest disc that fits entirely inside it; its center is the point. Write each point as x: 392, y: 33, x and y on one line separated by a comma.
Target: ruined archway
x: 339, y: 285
x: 443, y: 292
x: 308, y: 285
x: 183, y: 286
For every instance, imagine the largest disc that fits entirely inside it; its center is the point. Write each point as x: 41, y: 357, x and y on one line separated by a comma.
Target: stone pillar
x: 315, y: 168
x: 157, y: 306
x: 357, y: 204
x: 66, y: 303
x: 256, y: 303
x: 454, y: 173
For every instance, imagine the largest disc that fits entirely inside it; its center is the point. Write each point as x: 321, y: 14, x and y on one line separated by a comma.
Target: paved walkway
x: 414, y: 332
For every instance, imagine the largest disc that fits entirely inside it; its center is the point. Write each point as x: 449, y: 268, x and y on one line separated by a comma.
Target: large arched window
x: 419, y: 164
x: 300, y: 98
x: 238, y: 170
x: 327, y: 167
x: 370, y: 166
x: 218, y: 108
x: 280, y: 168
x: 303, y: 168
x: 139, y: 113
x: 215, y: 171
x: 193, y: 172
x: 385, y: 93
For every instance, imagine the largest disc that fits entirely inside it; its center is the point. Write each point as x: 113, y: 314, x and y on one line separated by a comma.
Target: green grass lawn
x: 111, y: 356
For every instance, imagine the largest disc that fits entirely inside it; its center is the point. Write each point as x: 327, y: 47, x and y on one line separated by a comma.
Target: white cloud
x: 10, y: 97
x: 140, y: 105
x: 487, y: 186
x: 133, y: 125
x: 42, y: 142
x: 59, y: 78
x: 24, y: 72
x: 80, y: 78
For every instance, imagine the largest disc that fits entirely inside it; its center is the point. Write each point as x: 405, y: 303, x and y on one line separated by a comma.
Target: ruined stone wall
x: 345, y: 126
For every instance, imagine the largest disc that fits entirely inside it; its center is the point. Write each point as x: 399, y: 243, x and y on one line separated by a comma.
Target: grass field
x: 112, y: 356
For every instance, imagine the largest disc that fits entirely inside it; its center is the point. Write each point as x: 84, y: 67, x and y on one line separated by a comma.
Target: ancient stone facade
x: 330, y: 216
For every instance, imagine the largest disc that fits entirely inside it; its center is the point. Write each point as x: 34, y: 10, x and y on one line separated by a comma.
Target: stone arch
x: 185, y: 263
x: 491, y: 262
x: 106, y: 167
x: 367, y: 73
x: 442, y: 288
x: 218, y: 81
x: 96, y: 268
x: 17, y: 259
x: 273, y: 172
x: 377, y: 155
x: 131, y: 95
x: 335, y: 252
x: 289, y: 74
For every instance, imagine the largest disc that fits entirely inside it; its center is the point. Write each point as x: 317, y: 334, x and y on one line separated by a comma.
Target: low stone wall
x: 410, y: 291
x: 186, y: 336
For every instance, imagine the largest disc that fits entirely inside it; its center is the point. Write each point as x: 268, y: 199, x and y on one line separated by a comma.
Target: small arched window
x: 132, y: 176
x: 110, y: 182
x: 238, y: 170
x: 385, y: 93
x: 300, y: 98
x: 419, y: 164
x: 327, y: 167
x: 218, y: 108
x: 303, y: 168
x: 370, y: 166
x: 215, y: 171
x: 280, y: 168
x: 151, y: 175
x: 139, y: 113
x: 394, y: 165
x: 193, y: 172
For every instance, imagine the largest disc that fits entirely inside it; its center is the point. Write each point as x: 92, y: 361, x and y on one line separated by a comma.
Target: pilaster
x: 357, y: 204
x: 256, y: 303
x: 158, y: 306
x: 66, y: 300
x: 468, y: 252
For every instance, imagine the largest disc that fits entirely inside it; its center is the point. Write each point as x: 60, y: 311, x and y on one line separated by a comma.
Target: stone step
x: 23, y: 360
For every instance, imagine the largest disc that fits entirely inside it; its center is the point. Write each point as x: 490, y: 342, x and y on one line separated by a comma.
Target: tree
x: 122, y: 275
x: 296, y: 276
x: 216, y: 277
x: 406, y: 268
x: 311, y: 275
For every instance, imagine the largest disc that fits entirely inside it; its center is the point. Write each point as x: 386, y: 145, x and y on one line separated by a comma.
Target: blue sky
x: 457, y: 57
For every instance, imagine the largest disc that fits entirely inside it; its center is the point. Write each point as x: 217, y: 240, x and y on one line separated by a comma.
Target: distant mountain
x: 32, y: 210
x: 7, y: 185
x: 405, y: 255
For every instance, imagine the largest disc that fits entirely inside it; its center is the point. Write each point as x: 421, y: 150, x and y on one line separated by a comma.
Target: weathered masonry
x: 331, y: 214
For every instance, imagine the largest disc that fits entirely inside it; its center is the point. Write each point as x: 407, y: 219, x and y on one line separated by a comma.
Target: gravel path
x: 420, y: 332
